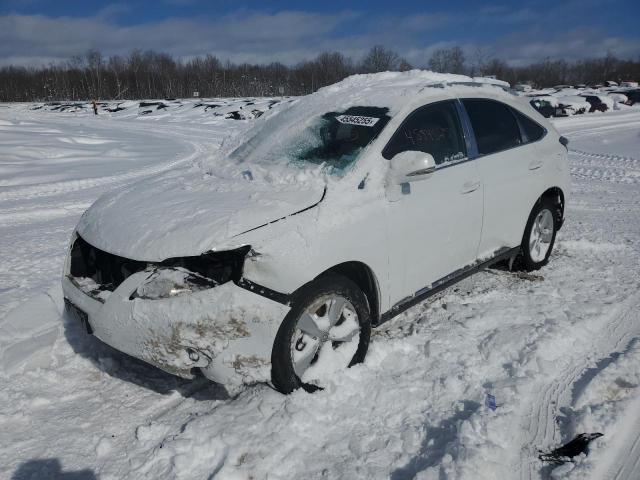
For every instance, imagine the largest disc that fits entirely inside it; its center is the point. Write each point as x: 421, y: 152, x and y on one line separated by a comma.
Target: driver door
x: 435, y: 224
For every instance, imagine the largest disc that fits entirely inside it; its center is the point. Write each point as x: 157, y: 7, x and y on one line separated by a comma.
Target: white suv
x: 273, y: 260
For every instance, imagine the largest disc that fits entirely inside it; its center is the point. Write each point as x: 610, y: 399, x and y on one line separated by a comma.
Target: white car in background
x: 272, y: 261
x: 573, y: 104
x: 618, y: 99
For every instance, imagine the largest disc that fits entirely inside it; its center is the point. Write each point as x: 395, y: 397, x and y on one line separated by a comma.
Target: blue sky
x: 34, y: 32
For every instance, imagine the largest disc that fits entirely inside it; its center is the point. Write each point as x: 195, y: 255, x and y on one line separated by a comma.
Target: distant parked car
x: 333, y: 215
x: 523, y: 87
x: 599, y: 103
x: 618, y: 98
x: 633, y: 95
x: 573, y: 104
x: 543, y: 106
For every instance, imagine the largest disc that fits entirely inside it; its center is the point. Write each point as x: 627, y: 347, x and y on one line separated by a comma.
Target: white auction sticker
x: 357, y: 120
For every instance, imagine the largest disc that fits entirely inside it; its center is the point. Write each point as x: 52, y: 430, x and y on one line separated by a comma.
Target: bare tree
x: 150, y: 74
x: 449, y: 60
x: 379, y: 59
x: 404, y: 65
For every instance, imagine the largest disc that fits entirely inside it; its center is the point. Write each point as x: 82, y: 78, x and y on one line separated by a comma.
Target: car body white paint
x: 457, y: 216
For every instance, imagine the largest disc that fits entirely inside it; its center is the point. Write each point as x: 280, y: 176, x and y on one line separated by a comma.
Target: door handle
x: 469, y: 187
x: 535, y: 164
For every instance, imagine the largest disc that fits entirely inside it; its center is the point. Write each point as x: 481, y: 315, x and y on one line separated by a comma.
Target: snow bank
x: 203, y: 111
x: 29, y: 332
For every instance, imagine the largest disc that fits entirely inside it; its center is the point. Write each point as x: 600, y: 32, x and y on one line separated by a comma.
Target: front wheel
x: 327, y: 330
x: 539, y: 235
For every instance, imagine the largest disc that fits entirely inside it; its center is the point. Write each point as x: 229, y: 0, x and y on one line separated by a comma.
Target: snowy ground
x: 559, y: 349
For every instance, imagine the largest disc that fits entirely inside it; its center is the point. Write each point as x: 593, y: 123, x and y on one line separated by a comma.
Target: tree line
x: 149, y: 74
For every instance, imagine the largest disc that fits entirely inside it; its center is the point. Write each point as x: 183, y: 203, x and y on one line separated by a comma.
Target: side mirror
x: 411, y: 166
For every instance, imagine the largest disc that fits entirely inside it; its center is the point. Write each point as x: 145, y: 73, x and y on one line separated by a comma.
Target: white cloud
x: 527, y: 47
x: 258, y: 36
x: 293, y: 36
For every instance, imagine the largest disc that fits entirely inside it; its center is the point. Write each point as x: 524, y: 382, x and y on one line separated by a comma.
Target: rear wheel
x: 539, y: 235
x: 327, y: 330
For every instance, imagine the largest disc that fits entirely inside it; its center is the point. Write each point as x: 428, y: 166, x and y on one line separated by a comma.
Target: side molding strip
x: 279, y: 297
x: 445, y: 282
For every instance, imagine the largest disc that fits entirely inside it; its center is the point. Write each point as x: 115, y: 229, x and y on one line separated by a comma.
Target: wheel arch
x: 362, y: 275
x: 556, y: 195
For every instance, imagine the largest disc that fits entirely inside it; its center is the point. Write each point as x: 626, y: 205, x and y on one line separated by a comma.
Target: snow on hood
x: 187, y: 213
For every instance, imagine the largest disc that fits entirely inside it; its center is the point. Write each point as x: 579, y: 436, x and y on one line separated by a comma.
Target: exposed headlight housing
x: 179, y: 276
x: 171, y: 282
x: 104, y: 271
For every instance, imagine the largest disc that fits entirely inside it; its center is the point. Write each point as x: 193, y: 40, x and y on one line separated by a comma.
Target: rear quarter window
x: 531, y: 130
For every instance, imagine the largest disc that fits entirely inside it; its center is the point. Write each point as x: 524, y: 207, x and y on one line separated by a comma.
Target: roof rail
x: 445, y: 83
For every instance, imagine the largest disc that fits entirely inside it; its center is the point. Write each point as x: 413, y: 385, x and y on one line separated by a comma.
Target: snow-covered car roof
x: 390, y: 89
x: 374, y: 97
x: 600, y: 96
x: 566, y: 92
x: 617, y: 96
x: 572, y: 100
x: 539, y: 93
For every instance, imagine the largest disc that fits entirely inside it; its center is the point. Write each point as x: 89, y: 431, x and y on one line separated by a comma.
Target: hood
x: 176, y: 215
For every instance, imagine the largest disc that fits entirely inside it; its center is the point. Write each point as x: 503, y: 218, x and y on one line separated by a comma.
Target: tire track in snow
x: 59, y: 188
x: 597, y: 124
x: 21, y: 216
x: 626, y: 463
x: 609, y: 158
x: 542, y: 431
x: 193, y: 141
x: 623, y: 460
x: 605, y: 167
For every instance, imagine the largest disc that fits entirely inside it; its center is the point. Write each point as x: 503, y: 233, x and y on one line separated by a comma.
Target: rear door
x: 435, y: 225
x: 510, y: 167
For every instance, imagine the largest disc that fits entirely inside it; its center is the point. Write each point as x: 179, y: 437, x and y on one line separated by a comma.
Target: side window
x: 494, y: 125
x: 433, y: 129
x: 532, y: 131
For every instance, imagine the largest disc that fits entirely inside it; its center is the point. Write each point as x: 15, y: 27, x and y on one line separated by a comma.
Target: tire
x: 318, y: 301
x: 539, y: 235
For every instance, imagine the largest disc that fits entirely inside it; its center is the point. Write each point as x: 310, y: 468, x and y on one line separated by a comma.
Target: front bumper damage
x: 226, y: 331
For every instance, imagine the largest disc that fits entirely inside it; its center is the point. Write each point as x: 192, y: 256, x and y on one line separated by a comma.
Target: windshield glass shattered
x: 332, y: 139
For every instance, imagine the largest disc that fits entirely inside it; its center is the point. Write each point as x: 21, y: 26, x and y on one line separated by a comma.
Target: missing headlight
x: 177, y: 276
x: 217, y: 266
x: 171, y: 282
x: 106, y: 271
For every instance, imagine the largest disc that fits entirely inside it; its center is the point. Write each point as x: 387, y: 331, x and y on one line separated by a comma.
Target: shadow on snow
x: 435, y: 443
x: 49, y: 469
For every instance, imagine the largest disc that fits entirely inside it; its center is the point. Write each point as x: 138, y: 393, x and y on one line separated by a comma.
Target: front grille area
x: 106, y: 269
